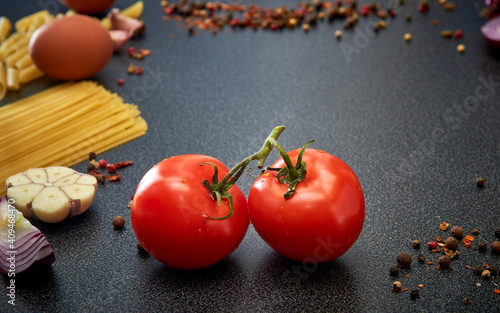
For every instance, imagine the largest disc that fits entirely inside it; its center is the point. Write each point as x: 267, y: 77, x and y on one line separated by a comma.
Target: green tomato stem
x: 290, y: 174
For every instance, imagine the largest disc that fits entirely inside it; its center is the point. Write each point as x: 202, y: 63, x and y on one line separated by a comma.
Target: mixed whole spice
x: 446, y: 251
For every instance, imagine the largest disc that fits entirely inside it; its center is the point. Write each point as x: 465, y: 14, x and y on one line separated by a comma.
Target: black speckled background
x: 396, y: 112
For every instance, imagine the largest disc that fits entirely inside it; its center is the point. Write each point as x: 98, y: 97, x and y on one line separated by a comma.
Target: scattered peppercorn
x: 92, y: 156
x: 458, y: 34
x: 457, y: 232
x: 475, y: 231
x: 102, y: 163
x: 408, y: 17
x: 497, y: 232
x: 120, y: 81
x: 444, y: 261
x: 407, y: 37
x: 493, y: 271
x: 451, y: 243
x: 482, y: 246
x: 461, y: 48
x: 495, y: 247
x: 421, y: 258
x: 479, y: 180
x: 118, y: 222
x: 111, y: 168
x: 467, y: 301
x: 415, y: 294
x: 338, y: 34
x: 403, y: 259
x: 91, y: 167
x: 477, y: 270
x: 449, y: 6
x: 394, y: 271
x: 416, y: 244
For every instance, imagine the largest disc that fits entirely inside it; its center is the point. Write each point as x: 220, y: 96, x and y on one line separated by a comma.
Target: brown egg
x: 88, y: 6
x: 71, y: 47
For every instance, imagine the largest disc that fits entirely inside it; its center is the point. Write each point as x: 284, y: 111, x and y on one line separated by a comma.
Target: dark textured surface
x: 396, y: 112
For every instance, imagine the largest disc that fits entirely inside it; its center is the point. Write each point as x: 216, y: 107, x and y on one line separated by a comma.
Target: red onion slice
x: 21, y: 244
x: 491, y: 31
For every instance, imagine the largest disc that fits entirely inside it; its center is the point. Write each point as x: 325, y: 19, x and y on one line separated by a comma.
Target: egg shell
x: 88, y: 6
x: 71, y: 47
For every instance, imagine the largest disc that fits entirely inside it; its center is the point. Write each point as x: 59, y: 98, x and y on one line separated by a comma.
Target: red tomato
x: 322, y: 219
x: 170, y: 209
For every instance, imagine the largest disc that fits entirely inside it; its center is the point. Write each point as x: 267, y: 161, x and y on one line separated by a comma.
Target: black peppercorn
x: 482, y: 246
x: 457, y: 232
x: 90, y: 167
x: 404, y: 259
x: 451, y: 243
x: 421, y: 258
x: 493, y: 271
x: 394, y: 271
x: 444, y: 261
x: 497, y: 232
x: 495, y: 247
x: 480, y: 182
x: 415, y: 294
x: 475, y: 231
x: 416, y: 244
x: 477, y: 270
x: 92, y: 156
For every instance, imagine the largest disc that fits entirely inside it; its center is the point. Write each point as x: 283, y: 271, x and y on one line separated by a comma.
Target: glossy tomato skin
x: 170, y: 208
x: 323, y: 218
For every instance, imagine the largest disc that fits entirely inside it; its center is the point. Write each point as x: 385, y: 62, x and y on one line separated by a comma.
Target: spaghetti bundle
x: 61, y: 125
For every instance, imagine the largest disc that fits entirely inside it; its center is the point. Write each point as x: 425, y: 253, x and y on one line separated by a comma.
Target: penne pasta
x: 5, y: 28
x: 29, y: 74
x: 24, y: 62
x: 61, y: 125
x: 11, y: 60
x: 13, y: 43
x: 3, y: 81
x: 12, y: 78
x: 23, y: 24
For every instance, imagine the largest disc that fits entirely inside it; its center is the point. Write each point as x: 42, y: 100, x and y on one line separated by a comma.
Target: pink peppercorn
x: 120, y: 81
x: 111, y: 168
x: 432, y: 244
x: 458, y: 34
x: 102, y: 163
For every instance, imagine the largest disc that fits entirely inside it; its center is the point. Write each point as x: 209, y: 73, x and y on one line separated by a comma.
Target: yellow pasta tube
x: 13, y: 43
x: 5, y: 28
x: 11, y: 60
x: 23, y: 24
x: 133, y: 11
x: 12, y: 78
x: 3, y: 81
x: 24, y: 62
x: 29, y: 74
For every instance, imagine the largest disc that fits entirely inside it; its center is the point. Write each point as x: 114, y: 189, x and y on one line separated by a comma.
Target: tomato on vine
x: 314, y: 215
x: 179, y: 221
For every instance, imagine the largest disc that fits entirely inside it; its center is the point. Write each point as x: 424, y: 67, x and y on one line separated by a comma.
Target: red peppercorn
x: 458, y: 34
x: 130, y: 51
x: 234, y: 22
x: 111, y: 168
x: 432, y: 244
x: 102, y: 163
x: 366, y: 9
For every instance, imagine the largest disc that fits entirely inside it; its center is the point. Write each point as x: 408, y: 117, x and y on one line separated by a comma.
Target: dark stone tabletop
x: 417, y: 121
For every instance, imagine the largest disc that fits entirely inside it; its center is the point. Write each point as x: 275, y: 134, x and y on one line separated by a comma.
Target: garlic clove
x: 122, y: 22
